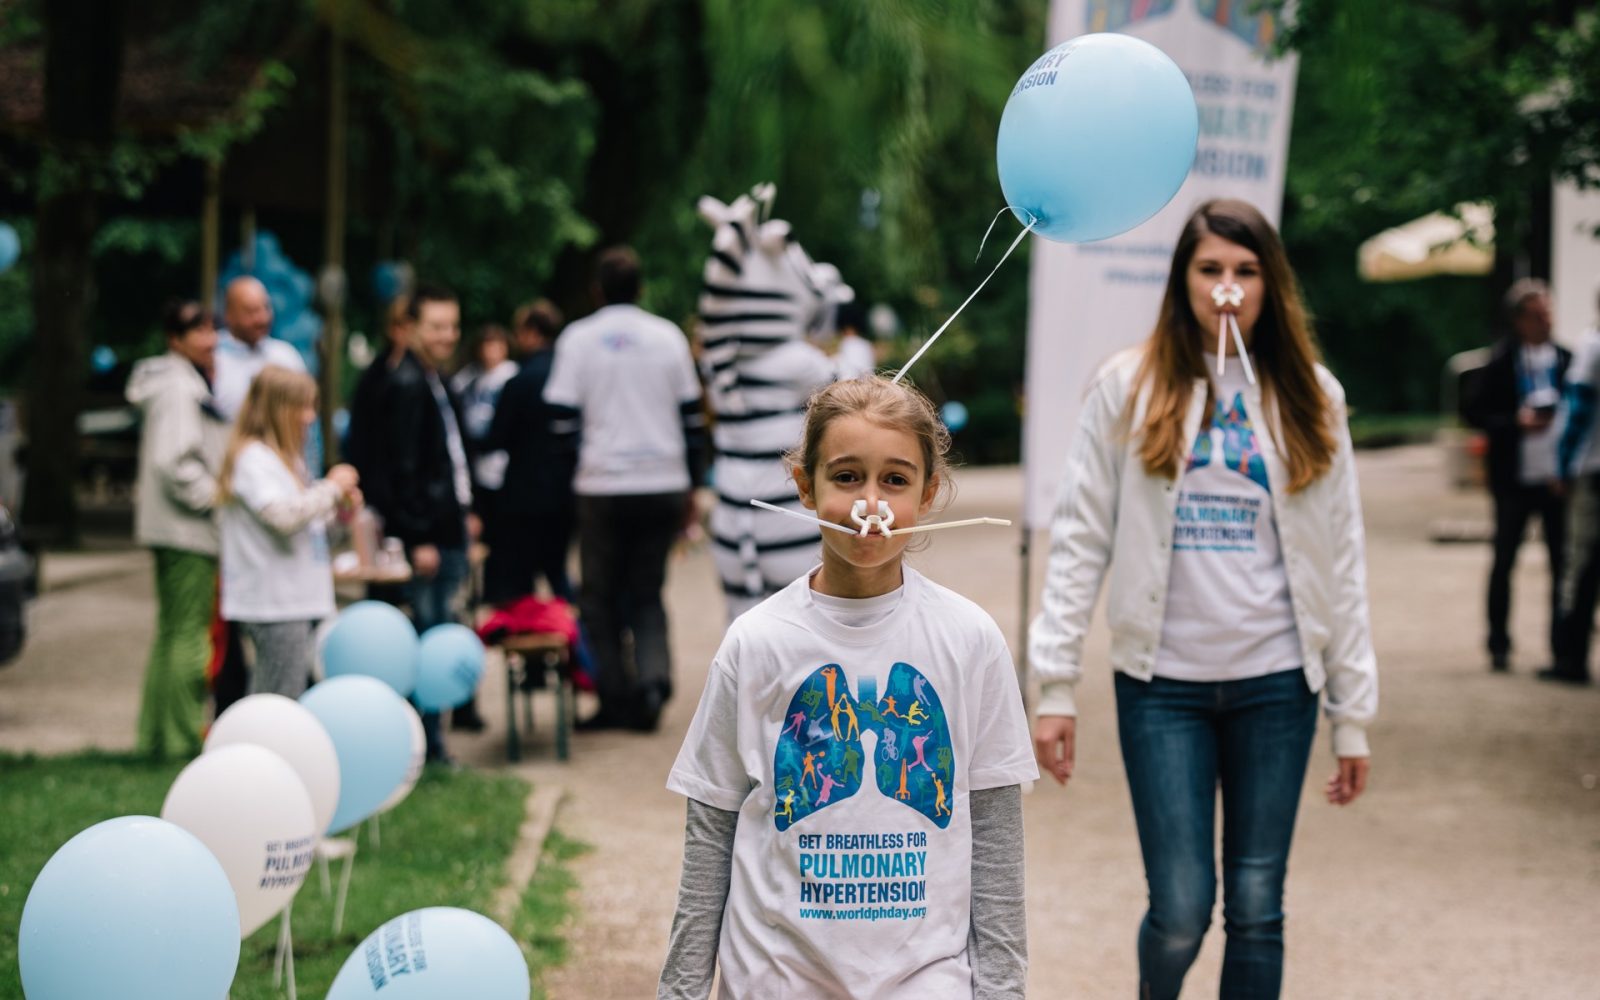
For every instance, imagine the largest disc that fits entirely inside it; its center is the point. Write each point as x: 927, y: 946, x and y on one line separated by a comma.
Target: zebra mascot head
x: 761, y: 290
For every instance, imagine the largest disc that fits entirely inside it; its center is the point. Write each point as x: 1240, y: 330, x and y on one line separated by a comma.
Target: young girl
x: 853, y: 770
x: 276, y: 577
x: 1225, y: 506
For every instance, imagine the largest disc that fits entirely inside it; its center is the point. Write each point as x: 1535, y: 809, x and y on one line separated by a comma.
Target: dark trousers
x: 523, y: 547
x: 623, y: 544
x: 1580, y: 586
x: 1180, y: 741
x: 233, y: 673
x: 1513, y: 508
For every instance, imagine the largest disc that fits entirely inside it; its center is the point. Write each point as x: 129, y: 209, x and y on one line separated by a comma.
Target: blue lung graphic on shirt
x: 1240, y: 450
x: 820, y: 761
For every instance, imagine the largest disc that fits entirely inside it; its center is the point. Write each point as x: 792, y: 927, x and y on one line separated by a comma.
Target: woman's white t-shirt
x: 268, y: 575
x: 1229, y: 614
x: 849, y: 753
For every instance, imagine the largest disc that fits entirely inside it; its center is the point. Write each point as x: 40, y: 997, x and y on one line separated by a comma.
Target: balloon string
x: 985, y: 241
x: 929, y: 342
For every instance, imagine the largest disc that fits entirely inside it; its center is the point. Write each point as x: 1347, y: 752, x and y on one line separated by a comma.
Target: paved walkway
x: 1470, y: 870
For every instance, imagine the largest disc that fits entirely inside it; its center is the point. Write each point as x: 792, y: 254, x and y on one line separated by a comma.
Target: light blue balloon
x: 371, y: 731
x: 436, y: 952
x: 1097, y: 136
x: 134, y: 908
x: 449, y: 666
x: 373, y: 639
x: 954, y: 415
x: 10, y: 246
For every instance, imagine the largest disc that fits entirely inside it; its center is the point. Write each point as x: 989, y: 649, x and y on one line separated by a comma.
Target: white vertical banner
x: 1087, y: 301
x: 1574, y: 260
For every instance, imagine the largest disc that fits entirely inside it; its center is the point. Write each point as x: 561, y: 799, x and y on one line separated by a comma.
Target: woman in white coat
x: 1218, y: 493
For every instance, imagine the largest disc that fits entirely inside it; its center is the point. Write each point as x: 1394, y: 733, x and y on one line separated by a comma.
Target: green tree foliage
x: 1408, y: 108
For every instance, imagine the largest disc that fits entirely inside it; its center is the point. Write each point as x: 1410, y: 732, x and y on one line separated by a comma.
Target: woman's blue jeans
x: 1180, y: 741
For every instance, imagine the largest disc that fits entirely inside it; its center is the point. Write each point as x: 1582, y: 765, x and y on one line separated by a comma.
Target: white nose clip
x: 1226, y: 294
x: 881, y: 520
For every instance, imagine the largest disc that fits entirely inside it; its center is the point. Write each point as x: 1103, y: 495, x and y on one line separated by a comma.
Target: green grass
x: 547, y: 906
x: 1385, y: 430
x: 445, y: 845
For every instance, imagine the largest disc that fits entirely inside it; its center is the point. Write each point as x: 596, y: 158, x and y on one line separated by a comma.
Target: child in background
x: 276, y: 577
x: 854, y: 768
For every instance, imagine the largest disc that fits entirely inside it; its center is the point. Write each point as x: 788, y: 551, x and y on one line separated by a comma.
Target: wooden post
x: 333, y: 238
x: 210, y: 236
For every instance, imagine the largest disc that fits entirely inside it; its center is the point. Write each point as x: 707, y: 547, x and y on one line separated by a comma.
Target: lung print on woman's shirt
x: 819, y: 761
x: 1240, y: 451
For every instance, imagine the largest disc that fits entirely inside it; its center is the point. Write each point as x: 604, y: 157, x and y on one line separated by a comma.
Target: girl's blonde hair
x: 895, y: 405
x: 1283, y: 347
x: 273, y: 413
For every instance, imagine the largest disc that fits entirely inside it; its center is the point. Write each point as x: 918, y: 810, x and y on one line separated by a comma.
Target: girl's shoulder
x: 256, y: 461
x: 955, y: 614
x: 257, y: 452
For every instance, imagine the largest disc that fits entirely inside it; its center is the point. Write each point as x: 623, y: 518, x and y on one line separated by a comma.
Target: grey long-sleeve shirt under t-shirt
x: 997, y: 943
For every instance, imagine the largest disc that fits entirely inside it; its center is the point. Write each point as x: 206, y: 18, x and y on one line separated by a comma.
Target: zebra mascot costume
x: 762, y: 297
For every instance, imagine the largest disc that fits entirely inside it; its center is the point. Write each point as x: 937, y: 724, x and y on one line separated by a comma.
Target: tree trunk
x: 82, y: 70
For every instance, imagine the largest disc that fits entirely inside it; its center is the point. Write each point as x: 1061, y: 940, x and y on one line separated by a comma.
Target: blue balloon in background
x: 373, y: 639
x: 440, y: 951
x: 370, y: 727
x: 954, y: 415
x: 1096, y: 137
x: 134, y: 908
x: 10, y: 246
x: 449, y: 666
x: 103, y: 359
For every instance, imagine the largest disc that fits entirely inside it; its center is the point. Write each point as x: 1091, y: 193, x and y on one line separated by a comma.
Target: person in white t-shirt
x: 854, y: 768
x: 277, y: 581
x: 1219, y: 495
x: 855, y: 356
x: 623, y: 381
x: 247, y: 345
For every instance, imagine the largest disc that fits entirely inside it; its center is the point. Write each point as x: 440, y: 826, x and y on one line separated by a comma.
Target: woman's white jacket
x: 1112, y: 516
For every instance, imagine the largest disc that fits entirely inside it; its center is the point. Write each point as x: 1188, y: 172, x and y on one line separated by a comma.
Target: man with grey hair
x: 1514, y: 399
x: 247, y: 345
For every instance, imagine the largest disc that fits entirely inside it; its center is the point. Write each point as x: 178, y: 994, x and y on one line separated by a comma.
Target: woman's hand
x: 1349, y: 781
x: 1055, y: 744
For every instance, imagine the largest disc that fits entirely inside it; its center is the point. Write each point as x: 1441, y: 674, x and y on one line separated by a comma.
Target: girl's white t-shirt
x: 268, y: 577
x: 1229, y: 614
x: 849, y: 753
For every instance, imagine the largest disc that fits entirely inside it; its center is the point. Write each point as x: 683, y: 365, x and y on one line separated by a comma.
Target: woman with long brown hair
x: 276, y: 577
x: 1212, y: 479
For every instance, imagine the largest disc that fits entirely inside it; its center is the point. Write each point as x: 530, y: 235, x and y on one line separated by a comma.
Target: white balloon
x: 288, y: 729
x: 250, y: 808
x: 419, y: 756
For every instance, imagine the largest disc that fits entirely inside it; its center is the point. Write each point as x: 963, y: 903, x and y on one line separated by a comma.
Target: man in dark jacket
x: 366, y: 440
x: 1514, y: 400
x: 425, y: 472
x: 533, y: 530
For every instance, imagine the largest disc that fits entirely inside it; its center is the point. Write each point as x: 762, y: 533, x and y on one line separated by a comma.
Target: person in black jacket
x: 366, y: 440
x: 425, y: 471
x: 532, y: 533
x: 1514, y: 399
